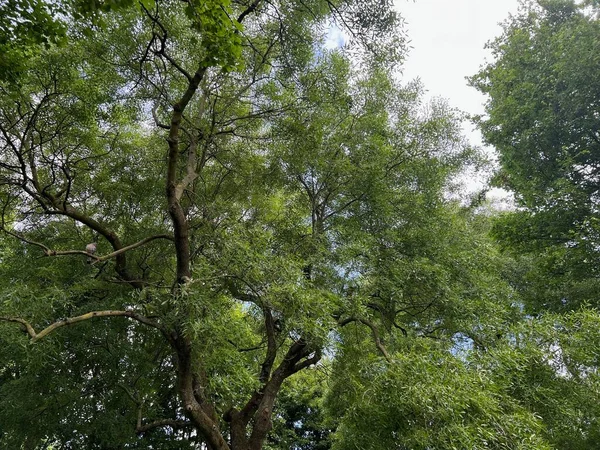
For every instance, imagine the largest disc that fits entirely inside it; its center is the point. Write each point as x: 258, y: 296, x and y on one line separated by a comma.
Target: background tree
x: 542, y: 116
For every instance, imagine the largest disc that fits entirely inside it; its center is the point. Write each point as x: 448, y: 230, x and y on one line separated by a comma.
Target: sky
x: 447, y: 44
x: 447, y: 40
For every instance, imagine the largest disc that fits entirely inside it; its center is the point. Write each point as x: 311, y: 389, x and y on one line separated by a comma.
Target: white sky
x: 447, y: 39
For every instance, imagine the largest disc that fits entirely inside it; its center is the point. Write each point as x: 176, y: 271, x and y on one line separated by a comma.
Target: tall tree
x: 230, y: 173
x: 249, y: 202
x: 542, y: 117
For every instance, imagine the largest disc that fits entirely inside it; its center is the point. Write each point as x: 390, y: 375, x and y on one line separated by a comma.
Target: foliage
x: 24, y: 27
x: 278, y: 264
x: 300, y: 421
x: 428, y: 399
x: 542, y: 117
x: 283, y: 163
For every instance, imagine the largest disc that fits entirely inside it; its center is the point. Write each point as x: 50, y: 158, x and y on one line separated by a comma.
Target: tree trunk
x: 197, y: 409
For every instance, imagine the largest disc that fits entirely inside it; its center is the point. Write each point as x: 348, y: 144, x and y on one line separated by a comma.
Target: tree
x: 222, y: 267
x: 477, y: 370
x: 542, y: 118
x: 264, y: 210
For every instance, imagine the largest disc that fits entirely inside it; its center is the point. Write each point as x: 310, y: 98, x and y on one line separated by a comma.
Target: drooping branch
x: 144, y: 428
x: 157, y: 121
x: 47, y: 251
x: 26, y: 325
x: 73, y: 320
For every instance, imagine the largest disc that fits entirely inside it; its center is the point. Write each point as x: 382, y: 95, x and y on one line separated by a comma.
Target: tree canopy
x: 543, y: 120
x: 277, y: 258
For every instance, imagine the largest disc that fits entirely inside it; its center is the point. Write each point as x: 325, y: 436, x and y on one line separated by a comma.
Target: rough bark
x: 176, y: 211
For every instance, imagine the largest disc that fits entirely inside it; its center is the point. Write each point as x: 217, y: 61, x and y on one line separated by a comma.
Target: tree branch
x: 267, y: 365
x: 248, y: 10
x: 246, y: 349
x: 157, y: 120
x: 374, y: 331
x: 45, y: 249
x: 131, y: 247
x: 292, y: 363
x: 49, y: 252
x: 109, y: 235
x: 175, y: 424
x: 73, y: 320
x: 178, y: 217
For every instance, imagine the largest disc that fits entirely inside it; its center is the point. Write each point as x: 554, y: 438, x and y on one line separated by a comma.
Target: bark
x: 191, y: 382
x: 259, y: 408
x: 248, y: 427
x: 176, y: 211
x: 197, y: 409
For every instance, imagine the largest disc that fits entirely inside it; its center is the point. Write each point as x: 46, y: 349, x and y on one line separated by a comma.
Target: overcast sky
x: 447, y: 39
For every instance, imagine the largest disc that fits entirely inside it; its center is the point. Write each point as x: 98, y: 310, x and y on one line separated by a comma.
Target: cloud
x: 335, y: 38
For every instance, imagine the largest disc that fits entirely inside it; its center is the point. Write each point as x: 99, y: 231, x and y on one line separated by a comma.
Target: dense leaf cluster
x: 279, y: 260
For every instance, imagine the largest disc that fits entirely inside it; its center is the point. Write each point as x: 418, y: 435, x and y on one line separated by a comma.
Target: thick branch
x: 292, y: 363
x: 194, y: 410
x: 73, y: 320
x: 180, y: 223
x: 109, y: 235
x: 308, y: 361
x: 175, y: 424
x: 191, y: 170
x: 260, y: 406
x: 267, y: 365
x: 248, y: 11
